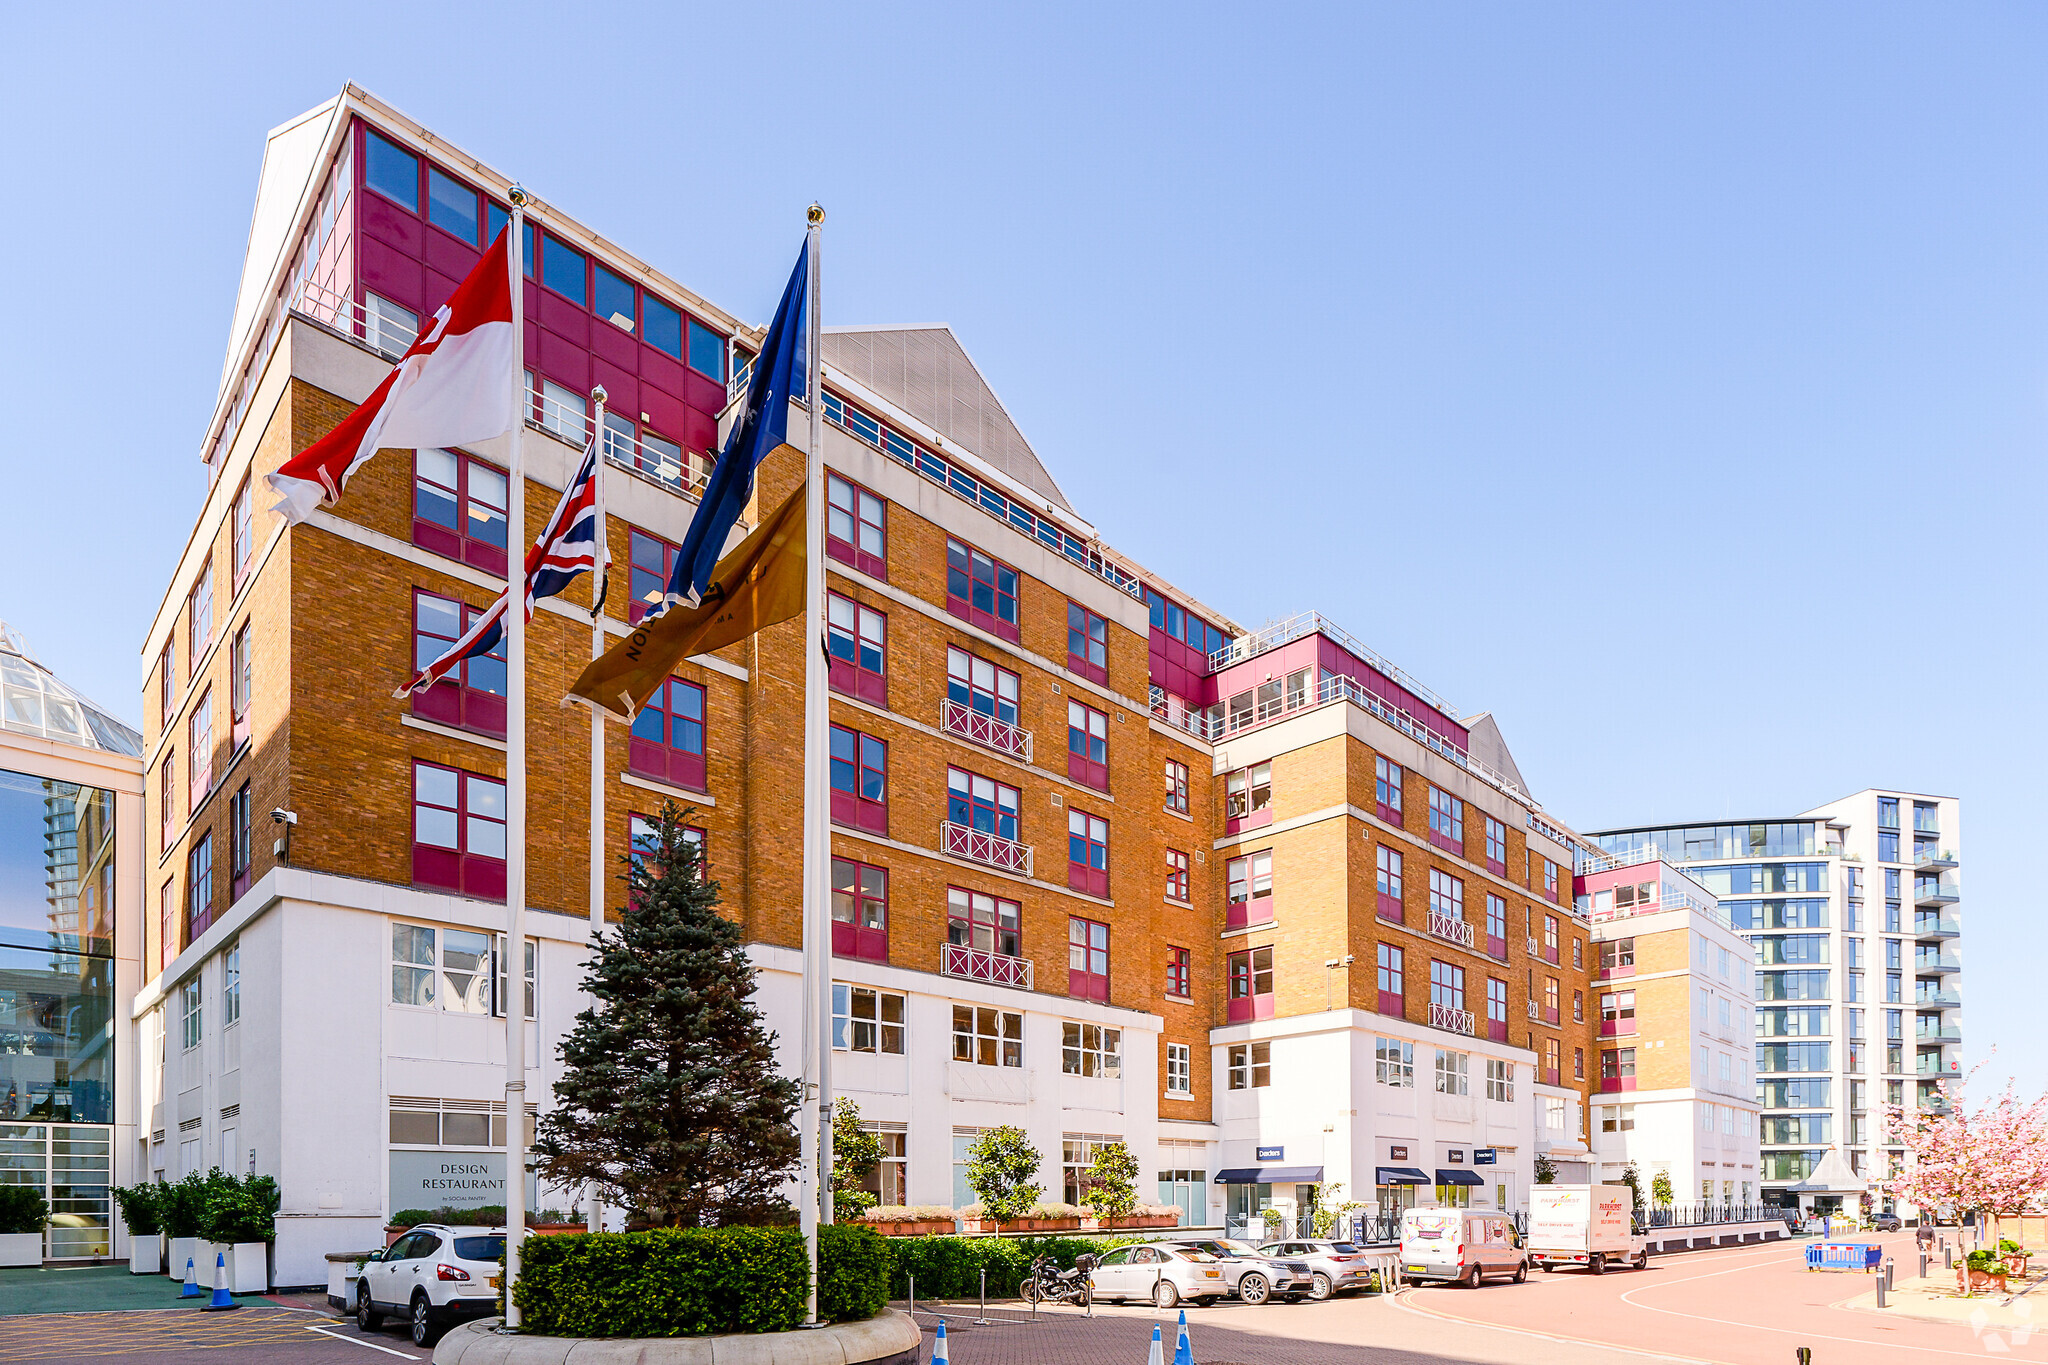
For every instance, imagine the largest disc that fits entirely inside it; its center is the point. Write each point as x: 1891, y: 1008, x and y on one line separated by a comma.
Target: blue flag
x: 779, y: 372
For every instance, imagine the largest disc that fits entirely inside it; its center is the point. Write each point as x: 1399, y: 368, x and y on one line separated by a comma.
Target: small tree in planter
x: 142, y: 1210
x: 182, y: 1202
x: 669, y: 1099
x: 1000, y: 1167
x: 855, y: 1154
x: 1332, y: 1210
x: 1110, y: 1187
x: 241, y: 1215
x: 1633, y: 1178
x: 1546, y: 1170
x: 24, y: 1213
x: 1660, y: 1189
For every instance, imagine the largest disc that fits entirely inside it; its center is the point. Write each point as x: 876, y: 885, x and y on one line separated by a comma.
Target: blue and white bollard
x: 1183, y: 1349
x: 221, y: 1300
x: 191, y: 1289
x: 1158, y: 1352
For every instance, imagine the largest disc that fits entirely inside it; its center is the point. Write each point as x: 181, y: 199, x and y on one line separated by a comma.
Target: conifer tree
x: 670, y: 1099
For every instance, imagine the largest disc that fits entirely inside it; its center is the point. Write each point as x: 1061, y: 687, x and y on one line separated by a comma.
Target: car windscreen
x: 480, y: 1248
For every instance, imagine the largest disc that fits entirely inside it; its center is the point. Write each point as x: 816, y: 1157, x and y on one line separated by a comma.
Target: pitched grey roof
x: 926, y: 372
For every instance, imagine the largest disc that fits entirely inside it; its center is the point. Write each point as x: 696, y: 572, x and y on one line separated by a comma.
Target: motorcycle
x: 1047, y: 1283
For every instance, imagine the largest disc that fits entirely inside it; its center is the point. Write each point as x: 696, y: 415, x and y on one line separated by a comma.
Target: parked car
x: 1253, y: 1277
x: 1337, y: 1267
x: 1460, y: 1246
x: 1887, y: 1222
x: 1161, y: 1275
x: 434, y: 1277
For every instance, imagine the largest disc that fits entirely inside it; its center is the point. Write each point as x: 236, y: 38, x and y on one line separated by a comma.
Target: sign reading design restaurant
x: 452, y: 1180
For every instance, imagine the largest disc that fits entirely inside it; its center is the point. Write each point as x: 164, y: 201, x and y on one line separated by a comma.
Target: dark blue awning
x: 1270, y: 1175
x: 1444, y: 1177
x: 1399, y: 1175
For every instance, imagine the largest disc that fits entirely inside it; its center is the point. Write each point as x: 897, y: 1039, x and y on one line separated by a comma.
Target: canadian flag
x: 453, y: 387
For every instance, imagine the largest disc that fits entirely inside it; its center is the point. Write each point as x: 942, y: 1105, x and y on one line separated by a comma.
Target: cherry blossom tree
x: 1993, y: 1160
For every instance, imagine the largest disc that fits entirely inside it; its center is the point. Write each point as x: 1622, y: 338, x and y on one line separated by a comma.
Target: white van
x: 1585, y: 1225
x: 1460, y: 1246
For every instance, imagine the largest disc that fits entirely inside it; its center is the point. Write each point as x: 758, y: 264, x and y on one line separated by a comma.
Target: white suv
x: 434, y: 1277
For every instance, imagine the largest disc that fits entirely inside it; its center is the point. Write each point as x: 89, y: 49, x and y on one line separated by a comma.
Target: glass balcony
x: 1933, y: 891
x: 1936, y: 962
x: 1934, y: 860
x: 1928, y: 927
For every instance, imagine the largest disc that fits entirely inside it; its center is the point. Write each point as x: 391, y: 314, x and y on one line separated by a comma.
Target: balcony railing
x: 980, y: 846
x: 1937, y: 962
x: 1937, y: 928
x: 1930, y: 1036
x: 1447, y: 927
x: 1935, y: 893
x: 985, y: 730
x: 1276, y: 634
x: 1446, y: 1017
x: 1934, y: 858
x: 979, y: 964
x: 1946, y: 999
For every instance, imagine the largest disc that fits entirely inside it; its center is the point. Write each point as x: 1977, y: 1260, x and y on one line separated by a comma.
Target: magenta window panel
x: 565, y: 364
x: 1390, y: 908
x: 1446, y: 843
x: 1497, y: 1030
x: 1549, y: 1015
x: 565, y: 319
x: 621, y: 388
x: 700, y: 430
x: 609, y: 342
x: 395, y: 276
x: 1390, y: 1003
x: 667, y: 741
x: 664, y: 373
x: 383, y: 222
x: 1550, y: 1075
x: 1496, y: 947
x: 667, y: 414
x: 448, y: 257
x: 1256, y: 820
x: 705, y: 395
x: 1245, y: 914
x: 438, y: 290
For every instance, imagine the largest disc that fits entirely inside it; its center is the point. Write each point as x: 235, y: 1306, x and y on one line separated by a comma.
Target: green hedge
x: 950, y: 1267
x: 672, y: 1282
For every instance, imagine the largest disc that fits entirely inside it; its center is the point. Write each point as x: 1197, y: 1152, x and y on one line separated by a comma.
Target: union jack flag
x: 571, y: 544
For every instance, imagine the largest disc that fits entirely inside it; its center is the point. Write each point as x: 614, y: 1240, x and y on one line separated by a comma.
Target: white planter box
x: 182, y: 1250
x: 21, y: 1248
x: 249, y: 1268
x: 145, y: 1254
x: 203, y: 1255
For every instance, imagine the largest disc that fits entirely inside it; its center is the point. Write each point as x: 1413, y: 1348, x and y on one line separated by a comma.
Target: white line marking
x: 358, y: 1341
x: 1401, y: 1302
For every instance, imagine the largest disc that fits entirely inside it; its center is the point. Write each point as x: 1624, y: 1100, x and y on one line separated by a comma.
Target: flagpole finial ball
x: 814, y: 215
x: 519, y: 197
x: 598, y: 395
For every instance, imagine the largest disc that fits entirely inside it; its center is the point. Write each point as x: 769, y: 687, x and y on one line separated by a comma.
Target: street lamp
x: 1330, y: 979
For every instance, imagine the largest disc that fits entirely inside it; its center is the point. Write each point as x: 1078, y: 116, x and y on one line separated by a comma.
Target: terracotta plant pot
x: 1970, y: 1281
x: 912, y: 1227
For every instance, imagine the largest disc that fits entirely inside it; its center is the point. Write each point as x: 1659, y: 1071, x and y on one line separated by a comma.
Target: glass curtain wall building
x: 1851, y: 911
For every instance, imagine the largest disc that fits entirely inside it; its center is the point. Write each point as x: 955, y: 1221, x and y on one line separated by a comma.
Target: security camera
x: 285, y: 817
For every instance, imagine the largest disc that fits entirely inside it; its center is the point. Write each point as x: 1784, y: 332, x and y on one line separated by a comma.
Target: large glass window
x: 865, y: 1020
x: 57, y: 849
x: 458, y: 831
x: 668, y: 736
x: 857, y: 639
x: 856, y: 528
x: 860, y: 780
x: 988, y: 1037
x: 472, y: 694
x: 458, y: 508
x: 391, y: 170
x: 1091, y: 1050
x: 981, y: 589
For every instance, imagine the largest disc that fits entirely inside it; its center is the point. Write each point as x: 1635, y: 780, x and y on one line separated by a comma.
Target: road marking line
x: 357, y: 1341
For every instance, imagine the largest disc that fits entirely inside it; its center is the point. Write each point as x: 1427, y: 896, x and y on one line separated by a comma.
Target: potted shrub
x: 24, y: 1213
x: 1151, y: 1216
x: 910, y: 1220
x: 142, y: 1210
x: 179, y: 1204
x: 240, y: 1216
x: 2013, y: 1254
x: 1981, y: 1270
x: 1052, y: 1218
x: 1000, y: 1167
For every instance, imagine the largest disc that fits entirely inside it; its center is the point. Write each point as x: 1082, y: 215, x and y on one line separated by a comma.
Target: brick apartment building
x: 1309, y: 925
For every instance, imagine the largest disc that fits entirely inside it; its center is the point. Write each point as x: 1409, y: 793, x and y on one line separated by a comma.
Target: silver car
x: 1338, y: 1267
x: 1159, y: 1274
x: 1253, y: 1277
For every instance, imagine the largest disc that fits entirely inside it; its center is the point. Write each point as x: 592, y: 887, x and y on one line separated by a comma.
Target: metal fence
x: 1706, y: 1215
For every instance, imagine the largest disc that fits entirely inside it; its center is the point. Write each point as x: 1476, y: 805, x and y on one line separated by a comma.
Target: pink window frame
x: 852, y: 808
x: 1390, y: 966
x: 849, y: 551
x: 964, y: 608
x: 1496, y: 1009
x: 1446, y: 821
x: 664, y: 760
x: 1496, y: 944
x: 1245, y: 1000
x: 1176, y: 876
x: 1080, y: 664
x: 1179, y: 973
x: 241, y: 686
x: 1387, y: 783
x: 1388, y: 866
x: 1254, y: 906
x: 636, y: 605
x: 1176, y: 776
x: 198, y: 887
x: 199, y: 617
x: 452, y: 701
x: 458, y: 543
x: 1496, y: 847
x: 241, y: 535
x: 1086, y: 982
x: 241, y: 841
x: 1252, y: 818
x: 470, y: 874
x: 199, y: 764
x: 1086, y: 877
x: 1083, y: 767
x: 858, y: 939
x: 167, y: 799
x: 852, y: 676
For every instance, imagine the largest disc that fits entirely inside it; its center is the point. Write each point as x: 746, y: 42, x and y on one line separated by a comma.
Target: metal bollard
x: 1923, y: 1264
x: 982, y: 1321
x: 913, y: 1295
x: 1947, y: 1257
x: 1880, y: 1291
x: 1804, y: 1355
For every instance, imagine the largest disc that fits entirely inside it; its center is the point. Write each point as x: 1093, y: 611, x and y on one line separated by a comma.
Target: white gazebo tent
x: 1831, y: 1177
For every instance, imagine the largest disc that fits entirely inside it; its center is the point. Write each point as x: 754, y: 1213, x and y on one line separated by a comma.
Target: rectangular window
x: 1251, y: 890
x: 1087, y: 960
x: 1180, y: 1069
x: 982, y: 689
x: 1393, y: 1062
x: 856, y: 529
x: 1550, y: 1000
x: 241, y: 688
x: 1390, y: 890
x: 1451, y: 1073
x: 612, y: 299
x: 1617, y: 1013
x: 1550, y: 938
x: 1578, y: 1007
x: 452, y: 206
x: 199, y: 610
x: 242, y: 535
x: 199, y: 887
x: 1446, y: 985
x: 167, y: 921
x: 1496, y: 847
x: 458, y: 508
x: 190, y: 1014
x: 390, y: 328
x: 472, y: 695
x: 1550, y: 882
x: 1251, y: 1066
x: 564, y: 269
x: 200, y: 745
x: 981, y: 590
x: 1087, y: 643
x: 984, y: 923
x: 1087, y: 853
x: 1552, y: 1050
x: 1091, y: 1050
x: 1496, y: 1009
x: 1088, y: 746
x: 987, y: 1037
x: 167, y: 676
x: 860, y: 910
x: 653, y: 563
x: 1888, y: 812
x: 458, y: 840
x: 1578, y: 1064
x: 231, y: 985
x: 1386, y: 784
x: 979, y: 803
x: 667, y: 740
x: 501, y: 990
x: 1446, y: 821
x: 866, y: 1020
x: 662, y: 325
x: 391, y: 170
x: 1887, y: 846
x: 167, y: 800
x: 1497, y: 926
x: 1248, y: 798
x: 1447, y: 904
x: 1177, y: 787
x: 1177, y: 984
x: 1500, y: 1080
x: 1618, y: 1068
x: 1618, y: 956
x: 1392, y: 991
x: 239, y: 841
x: 1176, y: 876
x: 857, y: 638
x: 1251, y: 985
x: 707, y: 351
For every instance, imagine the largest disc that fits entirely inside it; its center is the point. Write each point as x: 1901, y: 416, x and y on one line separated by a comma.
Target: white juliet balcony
x: 976, y: 728
x: 980, y: 846
x: 979, y: 964
x: 1445, y: 1017
x: 1454, y: 930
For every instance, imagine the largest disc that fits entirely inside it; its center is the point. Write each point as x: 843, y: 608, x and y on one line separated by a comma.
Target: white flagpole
x: 815, y: 1183
x: 593, y: 1215
x: 515, y: 775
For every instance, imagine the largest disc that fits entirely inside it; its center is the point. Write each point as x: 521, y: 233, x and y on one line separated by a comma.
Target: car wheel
x: 1599, y: 1266
x: 1319, y: 1288
x: 1473, y: 1277
x: 367, y: 1316
x: 1643, y: 1259
x: 1165, y: 1294
x: 1253, y: 1288
x: 1522, y: 1273
x: 425, y: 1332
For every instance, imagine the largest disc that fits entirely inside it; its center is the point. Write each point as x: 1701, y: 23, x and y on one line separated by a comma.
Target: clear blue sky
x: 1668, y: 380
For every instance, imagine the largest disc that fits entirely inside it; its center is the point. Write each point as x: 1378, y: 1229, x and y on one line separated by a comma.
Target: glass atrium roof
x: 33, y: 701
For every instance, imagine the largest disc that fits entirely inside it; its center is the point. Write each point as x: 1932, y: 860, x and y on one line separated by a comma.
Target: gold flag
x: 757, y: 585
